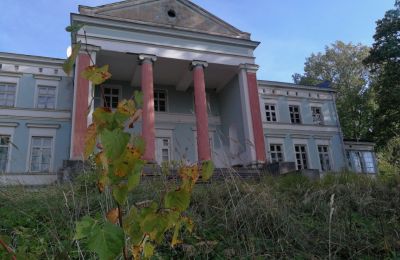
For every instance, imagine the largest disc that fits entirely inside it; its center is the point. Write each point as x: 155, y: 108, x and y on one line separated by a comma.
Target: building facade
x: 202, y: 99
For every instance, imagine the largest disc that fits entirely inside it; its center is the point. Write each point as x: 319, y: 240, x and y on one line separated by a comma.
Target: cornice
x: 162, y: 30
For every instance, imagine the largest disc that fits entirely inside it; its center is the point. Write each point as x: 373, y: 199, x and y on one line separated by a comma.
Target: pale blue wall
x: 26, y: 92
x: 330, y: 119
x: 20, y: 153
x: 25, y: 101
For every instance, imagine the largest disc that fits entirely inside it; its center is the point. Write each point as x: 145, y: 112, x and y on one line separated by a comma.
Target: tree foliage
x: 384, y: 62
x: 341, y: 64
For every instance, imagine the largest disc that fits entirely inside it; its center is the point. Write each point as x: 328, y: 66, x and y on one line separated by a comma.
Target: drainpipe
x: 340, y: 131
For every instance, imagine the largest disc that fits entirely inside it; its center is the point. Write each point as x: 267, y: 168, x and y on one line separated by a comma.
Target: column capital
x: 249, y: 67
x: 197, y: 63
x: 147, y: 58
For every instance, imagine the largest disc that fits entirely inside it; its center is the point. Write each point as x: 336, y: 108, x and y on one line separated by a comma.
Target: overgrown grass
x: 285, y: 217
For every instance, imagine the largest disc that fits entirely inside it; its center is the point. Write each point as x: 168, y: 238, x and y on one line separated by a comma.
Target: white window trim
x: 320, y: 108
x: 166, y: 133
x: 46, y: 83
x: 41, y: 132
x: 166, y: 100
x: 274, y: 103
x: 12, y: 80
x: 302, y: 142
x: 10, y: 131
x: 111, y: 87
x: 282, y: 151
x: 298, y: 104
x: 329, y: 155
x: 274, y: 140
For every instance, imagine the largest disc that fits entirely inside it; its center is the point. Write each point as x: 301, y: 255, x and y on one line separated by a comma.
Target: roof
x: 24, y: 58
x: 177, y: 14
x: 293, y: 85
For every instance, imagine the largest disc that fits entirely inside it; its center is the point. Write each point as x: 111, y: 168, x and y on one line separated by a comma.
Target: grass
x: 285, y: 217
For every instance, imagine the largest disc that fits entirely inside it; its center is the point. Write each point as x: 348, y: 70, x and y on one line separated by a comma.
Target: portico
x: 195, y: 58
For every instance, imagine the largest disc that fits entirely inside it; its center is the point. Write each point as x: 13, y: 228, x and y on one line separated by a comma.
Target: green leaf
x: 139, y: 143
x: 134, y: 176
x: 179, y: 200
x: 74, y: 28
x: 148, y: 250
x: 70, y: 61
x: 138, y: 96
x: 114, y: 143
x: 107, y: 241
x: 84, y: 227
x: 155, y: 225
x: 120, y: 193
x: 96, y: 75
x: 102, y: 117
x: 207, y: 169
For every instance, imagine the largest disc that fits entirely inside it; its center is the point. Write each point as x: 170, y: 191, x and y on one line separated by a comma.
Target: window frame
x: 299, y: 113
x: 307, y: 166
x: 269, y: 111
x: 328, y: 154
x: 159, y: 150
x: 42, y: 132
x: 322, y: 118
x: 6, y: 84
x: 158, y: 90
x: 103, y: 94
x: 41, y: 153
x: 10, y: 136
x: 274, y: 152
x: 38, y: 86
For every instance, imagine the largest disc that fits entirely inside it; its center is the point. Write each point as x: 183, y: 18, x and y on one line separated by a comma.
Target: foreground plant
x: 136, y: 231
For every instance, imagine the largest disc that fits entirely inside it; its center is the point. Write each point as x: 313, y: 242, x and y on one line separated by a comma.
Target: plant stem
x: 121, y: 225
x: 8, y: 249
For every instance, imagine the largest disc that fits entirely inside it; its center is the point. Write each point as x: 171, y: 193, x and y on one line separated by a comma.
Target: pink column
x: 256, y: 116
x: 148, y: 121
x: 203, y: 143
x: 81, y: 95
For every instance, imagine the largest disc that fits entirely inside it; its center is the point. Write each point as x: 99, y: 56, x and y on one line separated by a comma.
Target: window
x: 369, y: 165
x: 317, y: 116
x: 276, y: 153
x: 111, y: 97
x: 323, y: 151
x: 270, y: 113
x: 7, y: 94
x: 160, y: 100
x: 41, y: 154
x: 4, y: 147
x: 294, y: 114
x: 163, y: 149
x: 46, y: 97
x: 301, y: 157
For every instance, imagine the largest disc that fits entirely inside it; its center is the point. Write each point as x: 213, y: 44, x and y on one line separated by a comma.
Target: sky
x: 289, y: 30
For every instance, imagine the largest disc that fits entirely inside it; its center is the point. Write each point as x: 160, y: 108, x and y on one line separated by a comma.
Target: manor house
x: 202, y: 99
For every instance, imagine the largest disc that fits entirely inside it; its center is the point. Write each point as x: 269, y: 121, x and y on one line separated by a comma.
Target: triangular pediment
x: 173, y: 13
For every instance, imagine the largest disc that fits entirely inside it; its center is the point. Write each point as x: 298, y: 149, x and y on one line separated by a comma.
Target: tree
x: 341, y: 64
x: 384, y: 62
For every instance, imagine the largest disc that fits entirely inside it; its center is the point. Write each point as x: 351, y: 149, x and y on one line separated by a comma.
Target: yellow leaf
x: 112, y: 215
x: 90, y: 140
x: 96, y: 75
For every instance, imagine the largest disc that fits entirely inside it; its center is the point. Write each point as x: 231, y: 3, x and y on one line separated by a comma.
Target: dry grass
x: 287, y: 217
